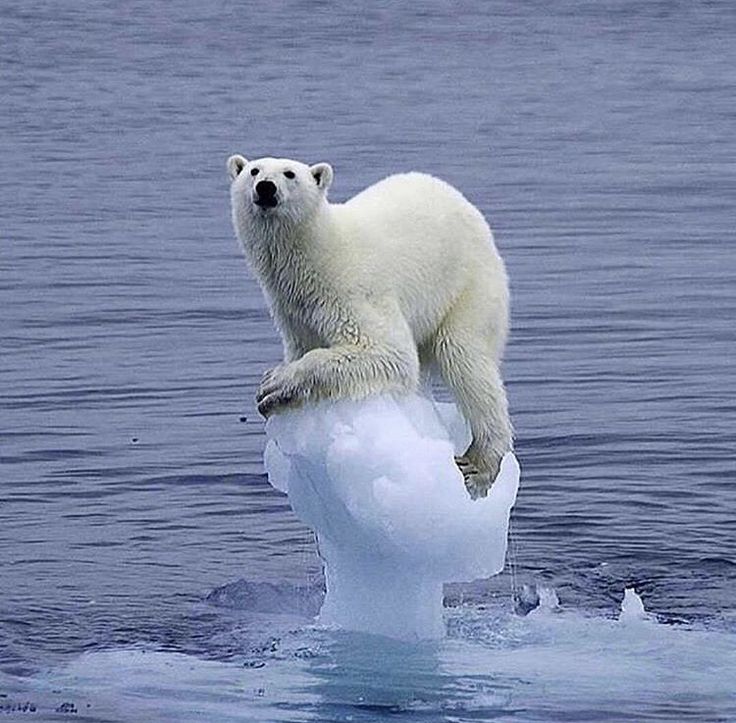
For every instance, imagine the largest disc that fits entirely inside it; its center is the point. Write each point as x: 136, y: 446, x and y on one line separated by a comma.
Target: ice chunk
x: 632, y: 607
x: 377, y: 481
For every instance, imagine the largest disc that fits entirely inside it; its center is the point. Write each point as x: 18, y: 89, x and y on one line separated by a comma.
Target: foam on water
x: 493, y: 665
x: 377, y: 481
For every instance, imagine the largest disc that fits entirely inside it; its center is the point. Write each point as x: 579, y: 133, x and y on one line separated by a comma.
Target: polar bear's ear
x: 322, y: 174
x: 235, y: 164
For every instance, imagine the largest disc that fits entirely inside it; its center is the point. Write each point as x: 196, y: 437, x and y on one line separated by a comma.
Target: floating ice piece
x: 377, y: 481
x: 632, y: 607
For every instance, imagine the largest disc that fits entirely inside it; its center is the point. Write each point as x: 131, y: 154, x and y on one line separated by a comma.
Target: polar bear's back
x: 406, y: 199
x: 418, y: 214
x: 423, y: 227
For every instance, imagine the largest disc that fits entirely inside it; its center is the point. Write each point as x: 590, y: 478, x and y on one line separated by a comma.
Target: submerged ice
x: 377, y: 482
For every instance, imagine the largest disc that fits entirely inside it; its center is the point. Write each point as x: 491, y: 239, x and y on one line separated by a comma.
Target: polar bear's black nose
x: 266, y: 193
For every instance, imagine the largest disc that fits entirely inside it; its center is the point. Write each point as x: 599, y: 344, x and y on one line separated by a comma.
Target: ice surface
x: 376, y: 480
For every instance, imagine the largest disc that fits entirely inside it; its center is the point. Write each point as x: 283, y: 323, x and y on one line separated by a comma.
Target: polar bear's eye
x: 290, y: 174
x: 253, y: 171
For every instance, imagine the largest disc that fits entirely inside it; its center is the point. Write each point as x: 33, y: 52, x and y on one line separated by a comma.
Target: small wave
x: 268, y: 597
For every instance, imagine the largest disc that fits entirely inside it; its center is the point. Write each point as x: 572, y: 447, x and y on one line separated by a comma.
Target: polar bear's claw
x: 476, y: 482
x: 466, y: 466
x: 478, y: 485
x: 279, y: 398
x: 276, y: 390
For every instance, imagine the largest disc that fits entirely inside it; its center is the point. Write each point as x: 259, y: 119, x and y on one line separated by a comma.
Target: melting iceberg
x: 377, y: 482
x: 632, y: 608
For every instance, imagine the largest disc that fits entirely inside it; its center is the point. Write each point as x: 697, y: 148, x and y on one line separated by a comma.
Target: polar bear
x: 372, y: 294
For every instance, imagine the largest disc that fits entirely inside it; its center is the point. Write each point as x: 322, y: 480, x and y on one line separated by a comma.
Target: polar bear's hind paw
x: 477, y: 482
x: 466, y: 466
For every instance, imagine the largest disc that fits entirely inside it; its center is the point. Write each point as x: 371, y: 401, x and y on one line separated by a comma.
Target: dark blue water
x: 598, y: 138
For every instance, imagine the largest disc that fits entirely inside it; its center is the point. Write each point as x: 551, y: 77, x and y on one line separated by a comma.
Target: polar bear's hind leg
x: 468, y: 364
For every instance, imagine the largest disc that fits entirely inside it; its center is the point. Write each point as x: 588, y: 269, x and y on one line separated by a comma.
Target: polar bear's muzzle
x: 265, y: 194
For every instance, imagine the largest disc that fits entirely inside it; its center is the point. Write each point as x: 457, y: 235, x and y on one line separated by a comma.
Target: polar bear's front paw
x: 278, y: 388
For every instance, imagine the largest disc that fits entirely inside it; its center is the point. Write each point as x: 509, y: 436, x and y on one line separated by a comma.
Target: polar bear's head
x: 276, y: 190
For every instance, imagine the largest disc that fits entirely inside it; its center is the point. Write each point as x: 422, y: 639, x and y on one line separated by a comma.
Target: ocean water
x: 147, y: 570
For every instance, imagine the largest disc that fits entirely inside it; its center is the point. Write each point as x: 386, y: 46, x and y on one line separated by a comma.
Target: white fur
x: 369, y: 294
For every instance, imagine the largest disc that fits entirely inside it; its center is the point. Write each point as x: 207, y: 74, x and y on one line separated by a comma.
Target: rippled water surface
x: 135, y: 519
